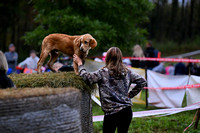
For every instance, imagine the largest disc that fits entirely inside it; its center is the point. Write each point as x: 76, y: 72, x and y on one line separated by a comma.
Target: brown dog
x: 79, y: 45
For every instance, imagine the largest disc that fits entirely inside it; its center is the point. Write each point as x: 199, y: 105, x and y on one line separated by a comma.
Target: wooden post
x: 197, y: 119
x: 146, y: 91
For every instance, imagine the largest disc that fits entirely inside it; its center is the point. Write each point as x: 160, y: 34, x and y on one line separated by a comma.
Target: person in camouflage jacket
x: 114, y: 81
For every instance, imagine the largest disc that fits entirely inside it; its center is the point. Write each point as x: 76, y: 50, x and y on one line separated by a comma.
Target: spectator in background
x: 57, y: 66
x: 104, y: 56
x: 12, y: 58
x: 64, y: 59
x: 98, y: 59
x: 5, y: 82
x: 170, y: 69
x: 66, y: 68
x: 198, y: 70
x: 30, y: 62
x: 150, y: 51
x: 62, y: 68
x: 127, y: 62
x: 192, y: 68
x: 159, y: 68
x: 138, y: 52
x: 180, y: 69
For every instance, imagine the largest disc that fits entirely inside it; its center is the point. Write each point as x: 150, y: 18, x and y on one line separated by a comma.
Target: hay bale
x: 86, y: 113
x: 60, y: 80
x: 44, y: 110
x: 52, y: 80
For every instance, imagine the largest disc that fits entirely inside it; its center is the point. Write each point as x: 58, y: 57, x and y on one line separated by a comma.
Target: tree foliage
x: 110, y: 22
x: 16, y: 18
x: 119, y: 23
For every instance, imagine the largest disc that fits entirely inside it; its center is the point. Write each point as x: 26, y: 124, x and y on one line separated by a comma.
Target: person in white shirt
x: 30, y: 62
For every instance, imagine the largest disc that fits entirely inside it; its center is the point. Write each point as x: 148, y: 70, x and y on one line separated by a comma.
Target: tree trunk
x: 190, y: 31
x: 173, y: 19
x: 182, y: 23
x: 13, y: 30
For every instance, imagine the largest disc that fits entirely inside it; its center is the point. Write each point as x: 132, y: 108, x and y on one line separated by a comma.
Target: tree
x: 110, y: 22
x: 182, y: 25
x: 174, y: 12
x: 191, y: 18
x: 16, y: 18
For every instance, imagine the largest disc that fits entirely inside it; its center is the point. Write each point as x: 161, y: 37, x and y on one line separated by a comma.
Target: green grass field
x: 167, y: 124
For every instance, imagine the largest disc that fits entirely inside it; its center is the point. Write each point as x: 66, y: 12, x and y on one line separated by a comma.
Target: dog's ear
x: 78, y: 41
x: 93, y: 43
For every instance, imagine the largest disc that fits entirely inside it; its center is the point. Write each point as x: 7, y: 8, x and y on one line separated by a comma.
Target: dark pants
x: 120, y: 120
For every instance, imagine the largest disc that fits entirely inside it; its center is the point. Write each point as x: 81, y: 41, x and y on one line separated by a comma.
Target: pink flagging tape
x: 158, y: 59
x: 157, y: 113
x: 175, y: 88
x: 163, y: 59
x: 191, y: 122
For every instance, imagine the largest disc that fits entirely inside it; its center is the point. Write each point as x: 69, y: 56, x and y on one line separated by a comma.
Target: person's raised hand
x: 77, y: 60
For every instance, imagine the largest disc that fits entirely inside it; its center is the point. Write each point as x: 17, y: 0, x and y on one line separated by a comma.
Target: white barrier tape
x: 96, y: 100
x: 158, y: 112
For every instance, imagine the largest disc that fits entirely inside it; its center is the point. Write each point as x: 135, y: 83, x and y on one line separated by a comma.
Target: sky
x: 180, y: 1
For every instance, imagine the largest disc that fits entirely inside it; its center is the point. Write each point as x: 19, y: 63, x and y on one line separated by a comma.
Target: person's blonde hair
x: 3, y: 62
x: 114, y: 62
x: 137, y: 51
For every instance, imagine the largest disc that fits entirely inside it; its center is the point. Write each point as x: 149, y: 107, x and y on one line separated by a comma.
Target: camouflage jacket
x: 113, y: 91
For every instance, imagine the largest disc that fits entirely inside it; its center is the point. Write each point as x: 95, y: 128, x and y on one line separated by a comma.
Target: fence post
x: 197, y: 119
x: 146, y: 90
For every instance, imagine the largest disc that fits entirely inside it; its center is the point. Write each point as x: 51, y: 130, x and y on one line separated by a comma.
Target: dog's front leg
x: 75, y: 65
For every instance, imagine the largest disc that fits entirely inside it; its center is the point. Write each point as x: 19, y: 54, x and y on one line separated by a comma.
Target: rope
x: 191, y: 122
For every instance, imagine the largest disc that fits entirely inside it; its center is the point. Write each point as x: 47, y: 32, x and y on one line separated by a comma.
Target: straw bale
x: 52, y: 80
x: 42, y: 111
x: 41, y: 85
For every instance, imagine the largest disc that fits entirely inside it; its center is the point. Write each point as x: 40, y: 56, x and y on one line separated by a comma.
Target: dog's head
x: 86, y: 42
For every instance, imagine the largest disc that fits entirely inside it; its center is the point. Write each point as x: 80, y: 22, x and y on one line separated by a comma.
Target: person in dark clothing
x: 122, y: 119
x: 192, y: 68
x: 150, y: 51
x: 180, y: 69
x: 114, y: 81
x: 66, y: 68
x: 12, y: 57
x: 62, y: 68
x: 198, y: 71
x: 5, y: 82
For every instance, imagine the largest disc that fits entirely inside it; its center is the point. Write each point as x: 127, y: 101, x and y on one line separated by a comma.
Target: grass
x: 169, y: 48
x: 175, y: 123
